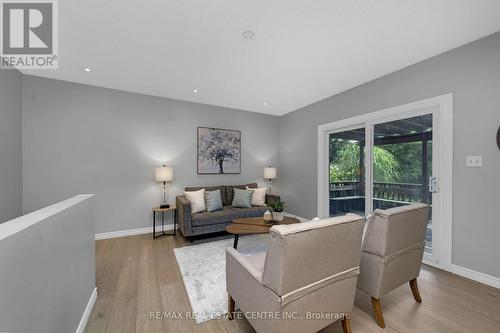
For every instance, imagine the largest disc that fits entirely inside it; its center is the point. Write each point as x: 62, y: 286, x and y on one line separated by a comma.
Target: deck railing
x: 350, y: 194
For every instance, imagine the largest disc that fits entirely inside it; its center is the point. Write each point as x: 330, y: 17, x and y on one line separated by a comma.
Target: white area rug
x: 203, y: 268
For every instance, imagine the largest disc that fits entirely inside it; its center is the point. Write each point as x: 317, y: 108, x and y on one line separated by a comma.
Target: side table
x: 156, y: 210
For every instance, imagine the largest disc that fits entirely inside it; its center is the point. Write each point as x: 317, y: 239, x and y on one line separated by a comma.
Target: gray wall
x: 10, y: 144
x: 472, y: 73
x: 48, y: 269
x: 83, y: 139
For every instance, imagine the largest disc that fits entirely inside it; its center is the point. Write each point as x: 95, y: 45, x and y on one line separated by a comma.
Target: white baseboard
x: 468, y: 273
x: 490, y: 280
x: 148, y: 230
x: 87, y: 312
x: 130, y: 232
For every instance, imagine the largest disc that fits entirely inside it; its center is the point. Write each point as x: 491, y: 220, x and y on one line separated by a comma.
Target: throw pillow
x: 258, y: 196
x: 197, y: 200
x: 242, y: 198
x: 213, y: 200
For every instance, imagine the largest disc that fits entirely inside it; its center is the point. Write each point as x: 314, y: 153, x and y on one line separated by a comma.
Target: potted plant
x: 278, y: 208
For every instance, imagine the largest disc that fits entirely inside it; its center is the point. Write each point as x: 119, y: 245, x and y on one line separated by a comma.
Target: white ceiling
x: 303, y: 50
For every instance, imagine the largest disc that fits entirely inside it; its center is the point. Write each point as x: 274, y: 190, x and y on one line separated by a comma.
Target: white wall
x: 83, y: 139
x: 47, y: 261
x: 10, y: 144
x: 472, y: 74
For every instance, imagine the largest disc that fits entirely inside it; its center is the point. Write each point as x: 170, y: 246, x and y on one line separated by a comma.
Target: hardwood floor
x: 137, y: 275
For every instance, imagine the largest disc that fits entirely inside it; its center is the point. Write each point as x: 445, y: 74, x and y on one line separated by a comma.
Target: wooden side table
x: 156, y: 210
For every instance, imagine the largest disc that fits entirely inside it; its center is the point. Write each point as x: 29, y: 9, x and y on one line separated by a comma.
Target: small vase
x: 278, y: 216
x: 268, y: 216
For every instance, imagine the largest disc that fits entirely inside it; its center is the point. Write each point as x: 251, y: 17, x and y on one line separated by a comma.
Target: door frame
x: 442, y: 109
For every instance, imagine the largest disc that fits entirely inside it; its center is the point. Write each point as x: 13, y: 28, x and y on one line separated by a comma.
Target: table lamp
x: 270, y: 174
x: 164, y: 174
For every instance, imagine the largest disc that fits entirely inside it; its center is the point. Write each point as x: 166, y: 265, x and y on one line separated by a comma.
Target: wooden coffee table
x: 253, y: 225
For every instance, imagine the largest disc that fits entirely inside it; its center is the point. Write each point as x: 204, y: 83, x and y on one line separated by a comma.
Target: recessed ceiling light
x: 248, y: 34
x: 195, y: 91
x: 265, y: 103
x: 86, y: 69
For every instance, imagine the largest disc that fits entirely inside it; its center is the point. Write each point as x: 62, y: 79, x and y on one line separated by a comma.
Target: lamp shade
x: 269, y: 173
x: 164, y: 174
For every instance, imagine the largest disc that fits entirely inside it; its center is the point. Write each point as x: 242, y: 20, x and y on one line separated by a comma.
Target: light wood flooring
x: 137, y: 275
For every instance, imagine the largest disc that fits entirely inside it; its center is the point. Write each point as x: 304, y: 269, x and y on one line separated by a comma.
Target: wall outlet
x: 474, y: 161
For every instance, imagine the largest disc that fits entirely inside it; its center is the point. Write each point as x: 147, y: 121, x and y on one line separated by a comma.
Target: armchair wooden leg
x: 414, y: 290
x: 379, y: 318
x: 346, y: 325
x: 230, y: 308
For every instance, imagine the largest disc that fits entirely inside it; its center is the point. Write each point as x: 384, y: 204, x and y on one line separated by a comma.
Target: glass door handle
x: 434, y: 184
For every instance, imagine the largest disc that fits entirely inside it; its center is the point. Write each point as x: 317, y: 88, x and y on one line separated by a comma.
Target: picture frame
x: 218, y: 151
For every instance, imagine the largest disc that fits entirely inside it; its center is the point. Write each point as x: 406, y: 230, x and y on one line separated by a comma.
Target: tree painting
x: 219, y: 151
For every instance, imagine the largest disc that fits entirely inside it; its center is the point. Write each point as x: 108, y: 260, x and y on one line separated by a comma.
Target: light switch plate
x: 474, y: 161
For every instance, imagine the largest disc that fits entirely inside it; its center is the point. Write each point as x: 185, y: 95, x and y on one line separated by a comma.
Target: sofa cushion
x: 258, y: 196
x: 197, y: 200
x: 222, y: 189
x: 242, y: 198
x: 227, y: 215
x: 230, y: 192
x: 213, y: 200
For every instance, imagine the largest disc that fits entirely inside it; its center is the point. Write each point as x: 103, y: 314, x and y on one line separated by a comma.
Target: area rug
x: 203, y: 269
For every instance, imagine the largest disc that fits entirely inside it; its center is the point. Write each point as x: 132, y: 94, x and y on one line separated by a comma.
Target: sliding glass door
x: 380, y: 165
x: 402, y: 164
x: 347, y: 172
x: 389, y: 158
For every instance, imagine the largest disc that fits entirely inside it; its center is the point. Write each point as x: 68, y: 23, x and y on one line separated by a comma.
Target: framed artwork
x: 498, y: 138
x: 219, y: 151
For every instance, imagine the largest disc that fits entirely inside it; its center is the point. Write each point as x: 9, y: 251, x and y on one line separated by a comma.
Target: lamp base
x: 164, y: 206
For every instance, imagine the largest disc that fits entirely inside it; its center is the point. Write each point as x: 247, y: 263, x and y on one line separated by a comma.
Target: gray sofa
x: 210, y: 222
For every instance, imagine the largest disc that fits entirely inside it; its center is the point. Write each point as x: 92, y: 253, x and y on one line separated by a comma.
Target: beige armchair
x: 306, y: 280
x: 393, y: 247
